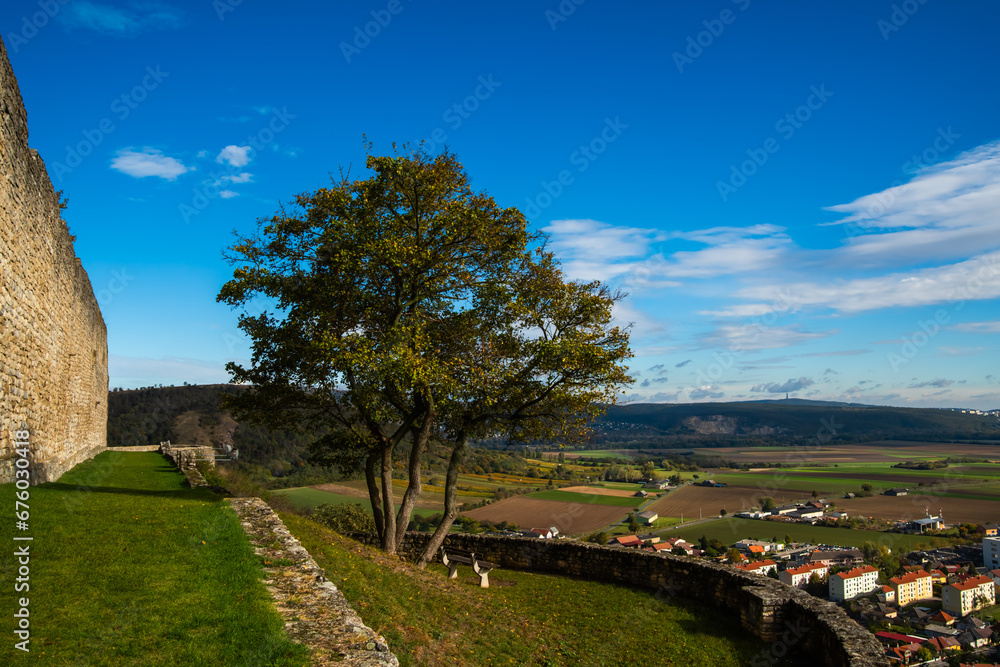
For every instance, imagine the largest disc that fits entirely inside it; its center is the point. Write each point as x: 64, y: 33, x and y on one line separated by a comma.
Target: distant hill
x: 782, y: 421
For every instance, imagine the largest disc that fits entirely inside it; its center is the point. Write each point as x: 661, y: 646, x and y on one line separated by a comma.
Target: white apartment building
x: 800, y: 576
x: 853, y: 583
x: 963, y: 598
x: 991, y: 552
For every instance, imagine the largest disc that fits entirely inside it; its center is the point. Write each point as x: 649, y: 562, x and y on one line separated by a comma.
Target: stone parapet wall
x: 788, y: 619
x: 186, y: 459
x: 54, y: 352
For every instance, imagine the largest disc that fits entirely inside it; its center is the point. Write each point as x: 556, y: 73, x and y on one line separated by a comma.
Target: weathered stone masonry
x: 789, y: 619
x: 54, y: 350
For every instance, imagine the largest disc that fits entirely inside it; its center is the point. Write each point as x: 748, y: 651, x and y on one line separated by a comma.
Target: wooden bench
x: 455, y: 557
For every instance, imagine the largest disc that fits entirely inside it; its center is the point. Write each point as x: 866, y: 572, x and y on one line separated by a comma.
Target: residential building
x: 991, y: 529
x: 963, y: 598
x: 991, y: 552
x: 896, y: 492
x: 762, y: 567
x: 888, y: 593
x: 918, y: 585
x: 800, y: 576
x: 834, y: 558
x: 853, y: 583
x: 626, y: 541
x: 647, y: 518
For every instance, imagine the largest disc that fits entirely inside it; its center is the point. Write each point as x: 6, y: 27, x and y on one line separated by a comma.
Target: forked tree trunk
x: 450, y: 503
x: 420, y: 437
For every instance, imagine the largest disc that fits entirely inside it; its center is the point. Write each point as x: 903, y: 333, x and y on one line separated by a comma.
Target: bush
x: 345, y: 518
x: 597, y: 538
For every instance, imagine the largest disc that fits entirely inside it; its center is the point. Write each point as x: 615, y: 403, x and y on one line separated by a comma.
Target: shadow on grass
x: 203, y: 494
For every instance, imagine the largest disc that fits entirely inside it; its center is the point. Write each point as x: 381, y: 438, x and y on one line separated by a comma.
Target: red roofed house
x: 941, y: 644
x: 973, y: 593
x: 800, y: 576
x: 853, y: 583
x: 627, y: 541
x: 761, y: 567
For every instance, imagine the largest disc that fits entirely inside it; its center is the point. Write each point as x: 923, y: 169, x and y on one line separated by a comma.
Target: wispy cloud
x: 978, y: 327
x: 735, y: 337
x: 793, y: 384
x: 148, y: 162
x: 940, y: 382
x: 946, y: 211
x: 137, y: 18
x: 972, y: 279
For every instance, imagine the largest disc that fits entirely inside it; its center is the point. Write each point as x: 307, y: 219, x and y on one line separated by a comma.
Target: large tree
x: 410, y: 310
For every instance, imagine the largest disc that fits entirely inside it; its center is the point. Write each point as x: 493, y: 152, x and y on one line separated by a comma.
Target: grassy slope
x: 131, y: 567
x: 523, y: 618
x: 731, y: 529
x: 306, y: 496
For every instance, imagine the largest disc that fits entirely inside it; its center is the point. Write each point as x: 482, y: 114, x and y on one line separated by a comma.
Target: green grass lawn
x: 588, y: 498
x: 732, y: 529
x: 130, y: 567
x: 523, y: 619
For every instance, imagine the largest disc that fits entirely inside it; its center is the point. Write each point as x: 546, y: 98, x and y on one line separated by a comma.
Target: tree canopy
x: 410, y: 312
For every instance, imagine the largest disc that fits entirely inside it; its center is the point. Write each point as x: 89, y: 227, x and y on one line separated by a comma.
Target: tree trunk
x: 374, y: 495
x: 450, y: 503
x: 420, y: 436
x: 388, y: 504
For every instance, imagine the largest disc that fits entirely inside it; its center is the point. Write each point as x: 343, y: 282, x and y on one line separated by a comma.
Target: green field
x: 587, y: 498
x: 732, y: 529
x: 307, y: 497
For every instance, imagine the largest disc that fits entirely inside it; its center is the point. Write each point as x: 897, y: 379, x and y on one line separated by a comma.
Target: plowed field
x: 569, y: 518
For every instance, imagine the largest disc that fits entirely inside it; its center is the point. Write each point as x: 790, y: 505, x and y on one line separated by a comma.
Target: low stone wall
x: 186, y: 460
x: 316, y: 613
x: 789, y: 619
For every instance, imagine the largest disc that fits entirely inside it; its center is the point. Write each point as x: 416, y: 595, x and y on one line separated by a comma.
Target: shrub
x: 345, y: 518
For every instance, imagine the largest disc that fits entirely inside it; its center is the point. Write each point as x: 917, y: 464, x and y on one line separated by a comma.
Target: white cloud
x: 592, y: 250
x: 228, y: 194
x: 707, y: 391
x: 148, y: 162
x: 106, y: 19
x: 234, y: 156
x: 238, y: 178
x: 944, y: 212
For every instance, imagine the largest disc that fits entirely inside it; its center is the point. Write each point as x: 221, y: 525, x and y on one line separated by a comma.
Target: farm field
x: 871, y: 452
x: 956, y: 510
x: 589, y: 498
x: 600, y: 491
x: 688, y: 500
x: 569, y: 518
x: 731, y: 529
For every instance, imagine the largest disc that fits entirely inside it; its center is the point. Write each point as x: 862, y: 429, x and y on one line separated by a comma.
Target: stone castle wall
x: 54, y: 350
x: 789, y: 620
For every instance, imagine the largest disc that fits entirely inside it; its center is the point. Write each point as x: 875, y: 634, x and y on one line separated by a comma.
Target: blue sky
x: 798, y: 198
